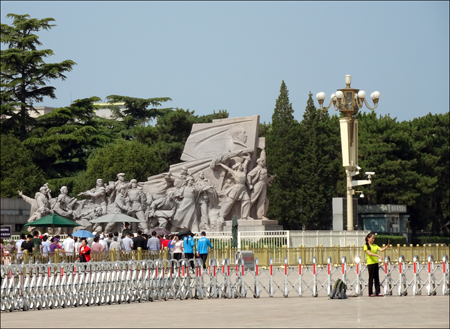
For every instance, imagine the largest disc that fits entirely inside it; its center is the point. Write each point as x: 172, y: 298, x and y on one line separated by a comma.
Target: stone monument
x: 220, y: 176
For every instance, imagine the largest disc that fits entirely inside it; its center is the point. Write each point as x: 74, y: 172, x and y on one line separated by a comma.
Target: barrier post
x: 446, y: 281
x: 358, y: 288
x: 329, y: 285
x: 314, y: 290
x: 300, y: 277
x: 402, y: 286
x: 431, y: 288
x: 198, y: 279
x: 212, y: 291
x: 388, y: 279
x: 344, y: 269
x: 240, y: 285
x: 139, y: 253
x: 26, y: 256
x: 112, y: 255
x: 256, y: 292
x: 417, y: 287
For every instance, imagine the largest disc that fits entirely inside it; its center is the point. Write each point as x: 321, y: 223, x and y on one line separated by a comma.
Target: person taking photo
x: 371, y: 250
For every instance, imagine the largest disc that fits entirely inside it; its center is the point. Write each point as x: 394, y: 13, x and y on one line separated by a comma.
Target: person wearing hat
x: 103, y: 242
x: 54, y: 244
x: 10, y: 247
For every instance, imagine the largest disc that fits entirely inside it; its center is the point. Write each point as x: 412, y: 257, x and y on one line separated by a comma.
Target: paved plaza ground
x: 355, y: 312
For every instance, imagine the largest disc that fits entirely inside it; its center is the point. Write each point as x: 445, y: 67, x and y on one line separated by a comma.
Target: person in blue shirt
x: 202, y: 248
x: 188, y: 245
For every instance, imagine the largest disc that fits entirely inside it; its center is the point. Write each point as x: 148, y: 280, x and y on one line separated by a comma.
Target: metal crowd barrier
x: 48, y: 286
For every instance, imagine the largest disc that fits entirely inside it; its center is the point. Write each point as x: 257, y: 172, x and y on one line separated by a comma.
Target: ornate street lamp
x: 348, y: 101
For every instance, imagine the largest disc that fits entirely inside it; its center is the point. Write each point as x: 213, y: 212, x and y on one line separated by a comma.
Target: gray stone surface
x: 360, y: 312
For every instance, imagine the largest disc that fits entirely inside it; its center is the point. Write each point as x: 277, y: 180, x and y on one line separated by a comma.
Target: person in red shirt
x: 165, y: 242
x: 161, y: 239
x: 85, y: 252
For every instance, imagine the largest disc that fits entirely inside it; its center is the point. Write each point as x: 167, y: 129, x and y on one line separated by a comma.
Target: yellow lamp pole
x: 348, y: 101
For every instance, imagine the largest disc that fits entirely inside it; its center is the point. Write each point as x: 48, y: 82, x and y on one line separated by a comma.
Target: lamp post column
x: 349, y: 201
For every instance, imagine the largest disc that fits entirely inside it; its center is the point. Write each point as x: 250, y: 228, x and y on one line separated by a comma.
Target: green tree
x: 17, y: 170
x: 403, y: 174
x: 137, y: 112
x: 63, y: 139
x: 282, y: 147
x: 319, y: 166
x: 430, y: 136
x: 24, y: 73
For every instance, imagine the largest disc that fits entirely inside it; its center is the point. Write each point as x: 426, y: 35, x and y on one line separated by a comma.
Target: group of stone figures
x: 188, y: 202
x: 220, y: 177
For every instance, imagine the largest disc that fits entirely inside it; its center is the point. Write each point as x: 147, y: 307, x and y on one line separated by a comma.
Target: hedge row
x: 421, y: 240
x: 394, y: 240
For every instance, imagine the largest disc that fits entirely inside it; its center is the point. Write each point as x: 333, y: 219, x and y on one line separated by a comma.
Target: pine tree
x: 282, y: 147
x: 138, y: 111
x: 317, y: 170
x: 63, y: 139
x: 24, y: 73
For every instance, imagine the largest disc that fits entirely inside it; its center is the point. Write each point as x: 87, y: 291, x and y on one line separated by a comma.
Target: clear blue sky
x: 209, y: 56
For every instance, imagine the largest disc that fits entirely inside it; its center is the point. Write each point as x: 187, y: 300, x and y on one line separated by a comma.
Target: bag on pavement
x: 339, y: 290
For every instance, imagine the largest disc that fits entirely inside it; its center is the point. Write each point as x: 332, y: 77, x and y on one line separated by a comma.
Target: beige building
x: 103, y: 112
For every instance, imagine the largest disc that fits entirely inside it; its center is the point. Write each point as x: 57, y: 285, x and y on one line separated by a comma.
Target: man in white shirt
x: 69, y: 245
x: 115, y: 244
x: 104, y: 243
x: 127, y: 242
x: 19, y: 245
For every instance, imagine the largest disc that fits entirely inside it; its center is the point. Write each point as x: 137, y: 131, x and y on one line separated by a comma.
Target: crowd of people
x: 178, y: 245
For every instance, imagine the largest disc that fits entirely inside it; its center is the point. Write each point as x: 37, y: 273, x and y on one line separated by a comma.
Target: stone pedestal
x: 254, y: 225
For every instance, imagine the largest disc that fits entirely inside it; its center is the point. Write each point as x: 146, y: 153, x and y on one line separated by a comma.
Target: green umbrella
x: 53, y: 220
x: 234, y: 232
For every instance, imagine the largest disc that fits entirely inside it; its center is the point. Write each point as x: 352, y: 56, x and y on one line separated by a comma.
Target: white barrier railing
x: 48, y: 286
x: 251, y: 239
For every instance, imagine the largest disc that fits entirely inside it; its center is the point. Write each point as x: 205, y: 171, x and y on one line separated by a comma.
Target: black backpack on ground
x: 339, y: 290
